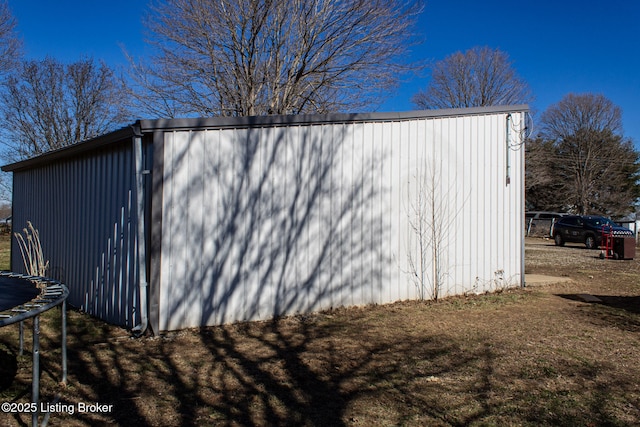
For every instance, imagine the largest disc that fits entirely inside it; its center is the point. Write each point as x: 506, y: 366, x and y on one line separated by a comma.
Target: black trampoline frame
x: 52, y: 294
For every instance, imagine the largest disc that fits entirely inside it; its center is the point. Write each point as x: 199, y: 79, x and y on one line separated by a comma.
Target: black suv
x: 585, y: 229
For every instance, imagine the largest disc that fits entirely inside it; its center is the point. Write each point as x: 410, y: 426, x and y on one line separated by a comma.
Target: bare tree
x: 425, y: 253
x: 478, y: 77
x: 48, y: 105
x: 9, y: 42
x: 431, y: 220
x: 580, y: 112
x: 541, y: 177
x: 10, y: 47
x: 595, y: 168
x: 256, y: 57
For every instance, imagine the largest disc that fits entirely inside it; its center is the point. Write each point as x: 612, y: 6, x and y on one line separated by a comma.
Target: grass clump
x: 31, y: 251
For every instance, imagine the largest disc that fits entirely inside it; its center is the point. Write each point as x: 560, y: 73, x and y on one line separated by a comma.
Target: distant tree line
x: 579, y: 161
x: 46, y: 105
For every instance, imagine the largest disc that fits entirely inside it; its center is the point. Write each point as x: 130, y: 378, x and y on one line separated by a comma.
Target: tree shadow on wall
x: 276, y: 221
x: 269, y: 222
x: 261, y: 224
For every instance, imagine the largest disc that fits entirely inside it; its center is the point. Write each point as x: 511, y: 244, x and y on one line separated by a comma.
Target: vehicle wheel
x: 558, y: 239
x: 590, y: 242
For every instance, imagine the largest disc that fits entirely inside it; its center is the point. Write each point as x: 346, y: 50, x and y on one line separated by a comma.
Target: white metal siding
x: 266, y: 221
x: 84, y: 209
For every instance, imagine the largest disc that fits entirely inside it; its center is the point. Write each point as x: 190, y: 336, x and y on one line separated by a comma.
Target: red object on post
x: 606, y: 244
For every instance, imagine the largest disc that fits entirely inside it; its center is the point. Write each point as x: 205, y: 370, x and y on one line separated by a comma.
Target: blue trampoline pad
x: 15, y: 292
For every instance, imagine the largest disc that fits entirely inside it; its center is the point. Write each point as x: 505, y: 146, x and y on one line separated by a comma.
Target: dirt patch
x: 539, y: 355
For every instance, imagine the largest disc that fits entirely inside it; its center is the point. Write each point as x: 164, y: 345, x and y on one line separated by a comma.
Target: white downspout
x: 508, y: 148
x: 142, y: 252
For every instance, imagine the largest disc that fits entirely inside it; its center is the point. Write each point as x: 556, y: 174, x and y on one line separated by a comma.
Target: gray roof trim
x: 311, y: 119
x: 72, y: 150
x: 149, y: 126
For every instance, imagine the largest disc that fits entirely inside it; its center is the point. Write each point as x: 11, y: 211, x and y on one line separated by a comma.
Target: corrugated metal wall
x: 85, y: 210
x: 266, y: 221
x: 271, y: 217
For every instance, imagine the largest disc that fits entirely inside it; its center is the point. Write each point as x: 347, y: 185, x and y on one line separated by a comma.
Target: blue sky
x: 557, y: 46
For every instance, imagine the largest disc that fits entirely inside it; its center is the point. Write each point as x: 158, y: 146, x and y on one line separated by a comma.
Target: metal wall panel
x: 84, y: 209
x: 264, y: 221
x: 261, y: 217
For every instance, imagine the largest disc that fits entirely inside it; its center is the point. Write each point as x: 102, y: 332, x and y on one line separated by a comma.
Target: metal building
x: 189, y: 222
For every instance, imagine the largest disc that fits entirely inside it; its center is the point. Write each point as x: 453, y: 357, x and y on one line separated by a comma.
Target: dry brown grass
x: 5, y: 251
x: 524, y: 357
x: 31, y: 251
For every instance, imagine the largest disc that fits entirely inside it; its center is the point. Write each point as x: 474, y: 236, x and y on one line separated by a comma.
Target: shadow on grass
x: 292, y: 371
x: 369, y: 367
x: 620, y: 311
x: 8, y: 368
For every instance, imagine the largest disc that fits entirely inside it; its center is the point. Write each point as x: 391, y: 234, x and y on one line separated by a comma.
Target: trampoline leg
x: 35, y: 384
x: 21, y: 329
x: 64, y: 342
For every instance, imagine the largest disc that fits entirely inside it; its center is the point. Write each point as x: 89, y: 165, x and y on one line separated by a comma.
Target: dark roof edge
x: 71, y: 150
x: 310, y: 119
x: 147, y: 126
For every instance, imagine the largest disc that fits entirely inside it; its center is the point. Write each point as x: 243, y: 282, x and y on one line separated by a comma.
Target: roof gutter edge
x: 91, y: 144
x: 317, y: 119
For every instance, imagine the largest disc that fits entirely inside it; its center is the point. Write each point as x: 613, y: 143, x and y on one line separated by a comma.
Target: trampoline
x: 25, y: 297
